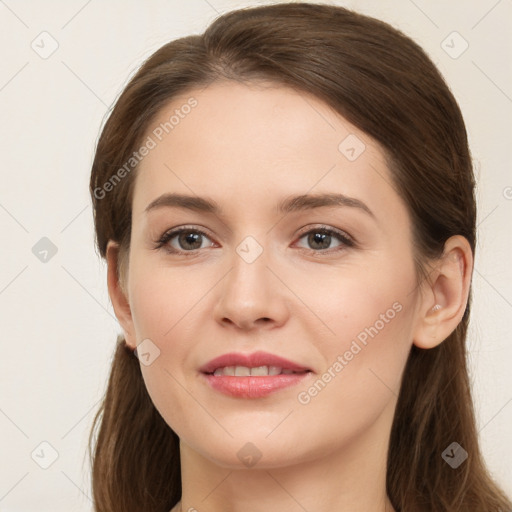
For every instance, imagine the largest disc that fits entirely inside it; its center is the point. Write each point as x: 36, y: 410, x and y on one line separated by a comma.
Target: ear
x: 118, y: 295
x: 445, y: 295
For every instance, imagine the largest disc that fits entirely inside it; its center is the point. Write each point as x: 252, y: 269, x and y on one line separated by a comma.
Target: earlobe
x: 118, y: 294
x: 447, y: 293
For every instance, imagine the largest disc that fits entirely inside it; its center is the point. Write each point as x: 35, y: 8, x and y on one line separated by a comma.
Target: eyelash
x: 343, y: 237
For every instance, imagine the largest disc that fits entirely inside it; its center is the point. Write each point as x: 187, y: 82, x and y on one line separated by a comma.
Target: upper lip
x: 251, y: 361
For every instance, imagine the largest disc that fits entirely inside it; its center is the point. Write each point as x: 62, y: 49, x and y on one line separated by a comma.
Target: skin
x: 248, y: 146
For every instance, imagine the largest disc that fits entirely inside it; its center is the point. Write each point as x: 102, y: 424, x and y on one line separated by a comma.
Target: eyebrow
x: 288, y: 205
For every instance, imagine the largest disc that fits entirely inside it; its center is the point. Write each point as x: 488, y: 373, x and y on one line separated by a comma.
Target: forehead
x: 253, y: 143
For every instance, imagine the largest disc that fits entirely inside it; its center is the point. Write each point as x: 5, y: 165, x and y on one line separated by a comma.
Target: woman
x: 286, y: 206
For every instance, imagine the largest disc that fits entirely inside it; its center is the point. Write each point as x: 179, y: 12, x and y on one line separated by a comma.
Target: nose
x: 251, y: 296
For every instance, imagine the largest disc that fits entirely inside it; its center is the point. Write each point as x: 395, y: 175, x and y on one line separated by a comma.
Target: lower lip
x: 253, y: 387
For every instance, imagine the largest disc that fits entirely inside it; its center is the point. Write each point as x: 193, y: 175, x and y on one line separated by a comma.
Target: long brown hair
x: 383, y: 83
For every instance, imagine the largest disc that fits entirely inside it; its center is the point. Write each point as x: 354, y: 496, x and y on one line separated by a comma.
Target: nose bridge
x: 248, y: 295
x: 247, y: 285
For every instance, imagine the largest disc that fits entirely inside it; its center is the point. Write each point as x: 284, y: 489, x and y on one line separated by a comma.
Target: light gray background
x: 58, y: 328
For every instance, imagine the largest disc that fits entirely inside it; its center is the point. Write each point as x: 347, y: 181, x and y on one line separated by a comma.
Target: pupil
x: 190, y: 238
x: 321, y: 238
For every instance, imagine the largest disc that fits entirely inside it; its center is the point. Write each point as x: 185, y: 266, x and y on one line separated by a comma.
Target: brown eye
x: 184, y: 240
x: 189, y: 240
x: 321, y: 239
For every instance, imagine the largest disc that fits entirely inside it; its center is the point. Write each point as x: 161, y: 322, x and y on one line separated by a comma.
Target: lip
x: 252, y: 386
x: 253, y: 360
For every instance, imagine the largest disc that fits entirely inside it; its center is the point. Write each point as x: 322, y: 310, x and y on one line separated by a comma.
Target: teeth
x: 260, y: 370
x: 244, y: 371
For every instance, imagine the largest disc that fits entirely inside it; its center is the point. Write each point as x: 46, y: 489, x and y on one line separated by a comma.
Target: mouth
x: 257, y: 363
x: 257, y: 371
x: 253, y: 375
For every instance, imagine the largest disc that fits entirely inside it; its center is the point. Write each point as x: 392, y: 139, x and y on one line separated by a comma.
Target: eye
x: 183, y: 240
x: 320, y: 239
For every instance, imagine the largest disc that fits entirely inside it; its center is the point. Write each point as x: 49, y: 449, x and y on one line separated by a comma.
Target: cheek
x: 362, y: 374
x: 162, y: 307
x: 162, y: 299
x: 360, y: 304
x: 164, y: 303
x: 370, y: 319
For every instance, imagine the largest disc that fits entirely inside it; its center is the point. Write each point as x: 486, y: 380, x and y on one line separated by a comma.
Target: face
x: 326, y: 281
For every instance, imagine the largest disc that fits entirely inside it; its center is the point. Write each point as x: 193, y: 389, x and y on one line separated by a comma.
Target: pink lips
x: 252, y: 386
